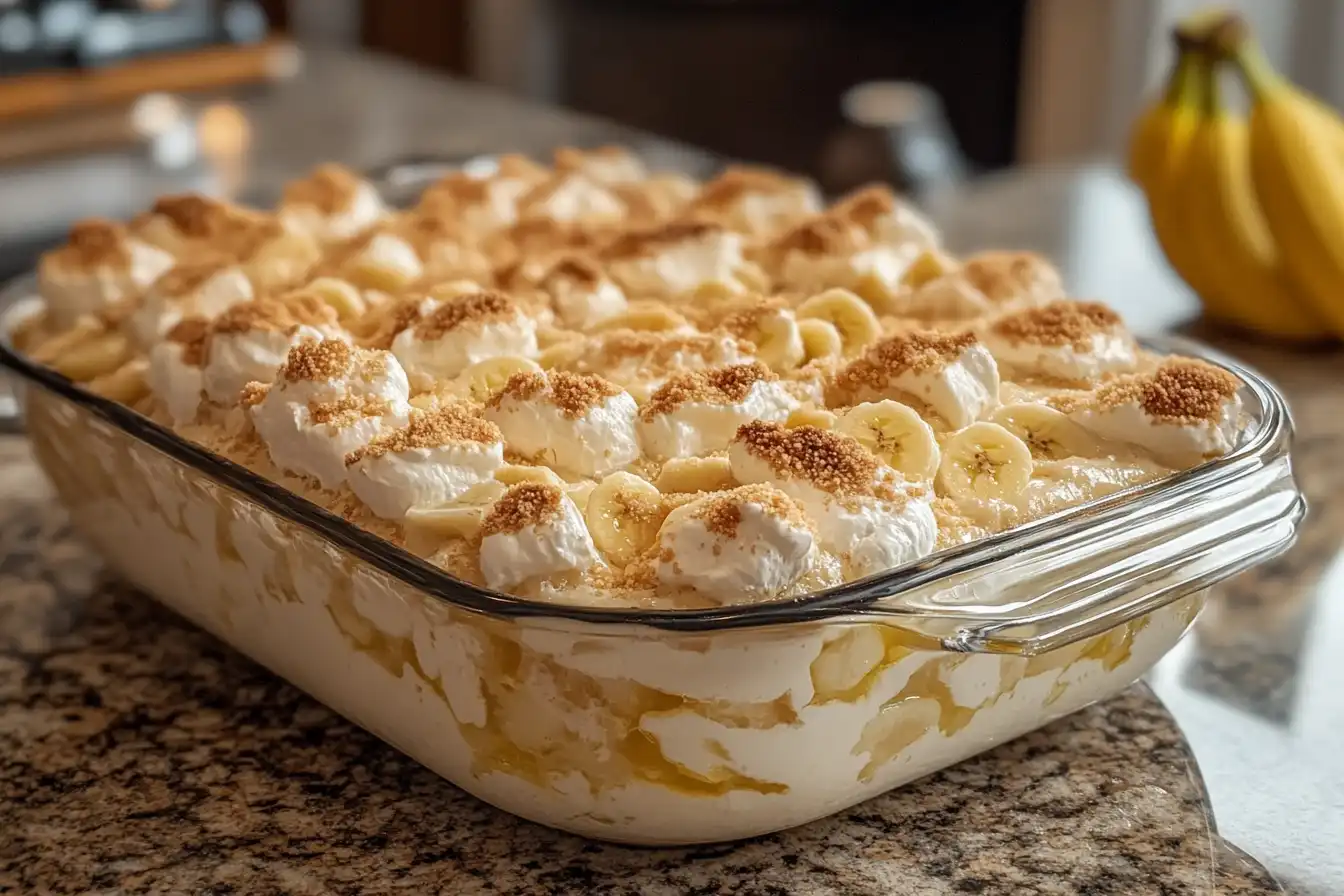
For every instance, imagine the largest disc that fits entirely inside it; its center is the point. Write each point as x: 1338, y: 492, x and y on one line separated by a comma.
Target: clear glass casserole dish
x: 675, y: 726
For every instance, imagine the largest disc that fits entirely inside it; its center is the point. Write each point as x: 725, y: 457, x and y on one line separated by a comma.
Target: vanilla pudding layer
x: 641, y: 736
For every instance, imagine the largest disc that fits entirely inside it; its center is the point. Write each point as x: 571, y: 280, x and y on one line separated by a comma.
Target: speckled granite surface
x: 139, y: 755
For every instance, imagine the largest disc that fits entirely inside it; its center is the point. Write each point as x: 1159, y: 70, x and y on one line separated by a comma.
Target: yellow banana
x: 1298, y: 174
x: 1162, y: 164
x: 1217, y: 211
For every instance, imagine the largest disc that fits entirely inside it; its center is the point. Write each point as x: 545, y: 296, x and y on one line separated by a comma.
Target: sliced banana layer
x: 984, y: 461
x: 1047, y: 432
x: 688, y: 475
x: 623, y: 516
x: 820, y: 339
x: 484, y: 378
x: 851, y: 316
x: 463, y: 517
x: 896, y: 435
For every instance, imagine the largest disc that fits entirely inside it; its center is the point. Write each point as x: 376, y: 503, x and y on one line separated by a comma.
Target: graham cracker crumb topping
x: 648, y: 241
x: 453, y: 423
x: 468, y: 310
x: 575, y: 394
x: 347, y: 411
x: 192, y: 333
x: 523, y: 505
x: 317, y: 361
x: 1004, y: 276
x: 285, y: 314
x: 188, y: 275
x: 1181, y: 391
x: 916, y: 351
x: 1058, y: 323
x: 722, y: 513
x: 828, y: 461
x: 329, y: 189
x: 865, y: 206
x: 96, y: 243
x: 820, y: 235
x: 739, y: 180
x: 580, y: 269
x: 253, y: 394
x: 715, y: 385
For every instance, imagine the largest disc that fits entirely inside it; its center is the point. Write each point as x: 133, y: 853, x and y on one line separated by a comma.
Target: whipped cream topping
x: 954, y: 374
x: 191, y: 289
x: 384, y: 251
x: 1183, y: 413
x: 328, y: 400
x: 756, y: 200
x: 987, y: 283
x: 883, y: 265
x: 532, y: 532
x: 175, y: 374
x: 644, y: 361
x: 569, y: 198
x: 675, y: 259
x: 461, y: 331
x: 863, y: 511
x: 581, y: 294
x: 249, y: 341
x: 189, y: 222
x: 331, y: 204
x: 578, y: 424
x: 699, y: 412
x: 1079, y: 341
x: 605, y: 164
x: 484, y: 205
x: 436, y: 457
x: 887, y: 220
x: 100, y: 264
x: 749, y: 544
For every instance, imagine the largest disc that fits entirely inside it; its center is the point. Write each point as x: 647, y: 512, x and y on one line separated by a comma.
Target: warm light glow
x: 224, y: 131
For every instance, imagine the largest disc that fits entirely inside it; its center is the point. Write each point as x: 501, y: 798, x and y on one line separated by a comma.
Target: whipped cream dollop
x: 187, y: 223
x: 175, y: 374
x: 329, y: 400
x: 887, y: 220
x: 331, y: 204
x: 867, y: 271
x: 604, y: 164
x: 581, y: 294
x: 194, y: 288
x: 643, y: 361
x: 952, y: 373
x: 1182, y: 413
x: 1065, y: 340
x: 675, y: 259
x: 756, y: 201
x: 570, y: 198
x: 249, y: 341
x: 749, y: 544
x: 100, y: 264
x: 533, y: 531
x: 699, y: 412
x: 985, y: 284
x: 576, y: 423
x: 863, y: 511
x: 434, y: 458
x: 484, y: 204
x: 461, y: 331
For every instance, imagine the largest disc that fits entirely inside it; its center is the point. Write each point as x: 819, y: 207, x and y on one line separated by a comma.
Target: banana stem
x: 1232, y: 40
x: 1209, y: 96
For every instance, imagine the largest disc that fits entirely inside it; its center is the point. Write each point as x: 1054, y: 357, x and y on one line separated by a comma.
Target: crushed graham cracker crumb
x: 190, y: 274
x: 200, y: 217
x: 344, y: 412
x: 95, y: 243
x: 580, y: 269
x: 1058, y: 323
x: 819, y: 235
x: 575, y: 394
x: 569, y: 158
x: 330, y: 189
x: 715, y: 385
x: 193, y: 334
x: 523, y: 505
x: 866, y: 205
x: 661, y: 353
x: 722, y: 513
x: 472, y: 309
x: 916, y: 351
x: 740, y: 180
x: 317, y: 360
x: 827, y: 460
x: 253, y: 394
x: 643, y: 242
x: 453, y: 423
x: 743, y: 317
x: 283, y: 314
x: 1182, y: 391
x: 1005, y: 276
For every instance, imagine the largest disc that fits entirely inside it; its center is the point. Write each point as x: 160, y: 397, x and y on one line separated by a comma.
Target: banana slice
x: 645, y: 316
x: 516, y: 474
x: 580, y: 492
x: 820, y: 339
x: 283, y: 261
x: 818, y: 417
x: 850, y: 315
x: 984, y: 461
x: 562, y: 355
x: 927, y: 267
x: 623, y: 516
x: 686, y: 475
x: 896, y: 435
x: 126, y: 384
x: 778, y: 342
x: 343, y: 297
x: 1046, y: 431
x: 463, y: 517
x: 485, y: 378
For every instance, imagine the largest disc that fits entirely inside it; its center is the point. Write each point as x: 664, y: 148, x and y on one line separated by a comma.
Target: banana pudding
x: 869, y: 422
x: 522, y: 430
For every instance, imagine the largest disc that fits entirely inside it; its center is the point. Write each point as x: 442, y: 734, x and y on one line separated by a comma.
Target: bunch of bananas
x: 1249, y: 210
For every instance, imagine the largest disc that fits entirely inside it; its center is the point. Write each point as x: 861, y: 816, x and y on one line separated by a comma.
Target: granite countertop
x: 138, y: 754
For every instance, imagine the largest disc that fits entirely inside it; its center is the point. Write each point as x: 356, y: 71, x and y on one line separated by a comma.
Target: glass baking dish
x: 678, y: 726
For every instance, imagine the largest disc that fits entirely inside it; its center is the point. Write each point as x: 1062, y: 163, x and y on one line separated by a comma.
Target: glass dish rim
x: 1272, y: 424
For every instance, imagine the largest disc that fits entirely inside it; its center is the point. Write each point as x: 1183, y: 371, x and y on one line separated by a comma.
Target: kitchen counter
x: 138, y: 754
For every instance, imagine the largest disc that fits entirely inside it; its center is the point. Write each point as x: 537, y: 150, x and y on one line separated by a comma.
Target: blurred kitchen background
x: 104, y: 103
